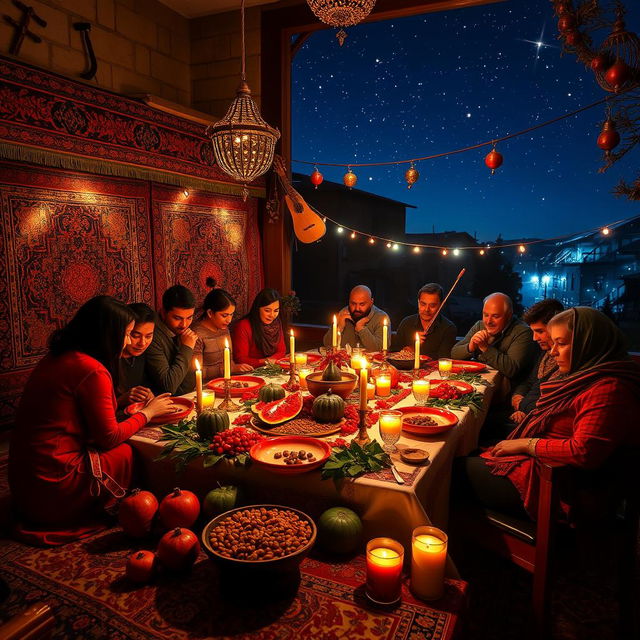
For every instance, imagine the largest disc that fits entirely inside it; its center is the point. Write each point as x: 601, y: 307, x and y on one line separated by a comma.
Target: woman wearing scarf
x: 581, y: 418
x: 259, y: 337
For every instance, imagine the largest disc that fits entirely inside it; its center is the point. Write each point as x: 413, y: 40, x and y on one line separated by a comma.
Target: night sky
x: 436, y: 82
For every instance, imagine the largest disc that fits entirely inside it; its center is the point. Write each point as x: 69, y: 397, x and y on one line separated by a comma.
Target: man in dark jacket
x: 437, y: 342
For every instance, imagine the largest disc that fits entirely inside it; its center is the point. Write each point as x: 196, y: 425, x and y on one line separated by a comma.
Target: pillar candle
x: 384, y: 570
x: 385, y: 335
x: 416, y: 357
x: 363, y: 383
x: 356, y: 363
x: 303, y: 373
x: 198, y: 387
x: 301, y: 359
x: 371, y: 391
x: 334, y: 332
x: 383, y: 386
x: 227, y: 360
x: 428, y: 558
x: 390, y: 422
x: 292, y: 348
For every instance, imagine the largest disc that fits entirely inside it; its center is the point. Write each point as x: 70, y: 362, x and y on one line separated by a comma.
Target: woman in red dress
x: 258, y: 338
x: 68, y: 458
x: 582, y: 417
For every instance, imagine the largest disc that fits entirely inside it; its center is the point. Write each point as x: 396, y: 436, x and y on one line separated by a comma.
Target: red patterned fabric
x: 206, y: 235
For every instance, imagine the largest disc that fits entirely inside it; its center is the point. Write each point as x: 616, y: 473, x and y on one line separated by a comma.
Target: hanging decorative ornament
x: 341, y: 13
x: 411, y: 175
x: 349, y: 178
x: 493, y: 160
x: 566, y: 21
x: 316, y: 177
x: 243, y: 143
x: 620, y: 53
x: 609, y: 138
x: 600, y: 62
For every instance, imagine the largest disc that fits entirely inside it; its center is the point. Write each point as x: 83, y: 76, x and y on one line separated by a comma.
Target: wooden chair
x: 530, y: 544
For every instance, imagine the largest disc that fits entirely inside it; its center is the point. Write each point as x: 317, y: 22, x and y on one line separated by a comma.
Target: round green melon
x: 210, y: 422
x: 339, y: 530
x: 328, y: 407
x: 271, y: 392
x: 219, y: 500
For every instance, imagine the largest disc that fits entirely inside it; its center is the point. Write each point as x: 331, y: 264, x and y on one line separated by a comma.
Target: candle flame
x: 226, y: 343
x: 384, y: 322
x: 291, y: 332
x: 197, y: 364
x: 335, y: 319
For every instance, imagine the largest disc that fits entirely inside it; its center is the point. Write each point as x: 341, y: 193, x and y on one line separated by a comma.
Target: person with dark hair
x: 133, y: 384
x: 582, y: 417
x: 169, y: 356
x: 212, y: 330
x: 258, y: 338
x: 68, y: 458
x: 441, y: 337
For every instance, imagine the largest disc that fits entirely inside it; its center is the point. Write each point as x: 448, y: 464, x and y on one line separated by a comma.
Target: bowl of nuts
x: 427, y: 421
x: 290, y: 454
x: 268, y: 537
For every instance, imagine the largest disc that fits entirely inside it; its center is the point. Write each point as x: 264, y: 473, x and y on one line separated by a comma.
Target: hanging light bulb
x: 243, y: 143
x: 456, y: 252
x: 411, y: 176
x: 353, y: 235
x: 340, y: 230
x: 394, y: 246
x: 444, y: 252
x: 522, y: 248
x: 481, y: 252
x: 349, y: 179
x: 388, y: 245
x: 372, y: 241
x: 416, y: 249
x: 341, y: 13
x: 493, y: 160
x: 316, y: 177
x: 605, y: 231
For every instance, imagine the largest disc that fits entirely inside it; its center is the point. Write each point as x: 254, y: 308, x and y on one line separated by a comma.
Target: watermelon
x: 280, y: 411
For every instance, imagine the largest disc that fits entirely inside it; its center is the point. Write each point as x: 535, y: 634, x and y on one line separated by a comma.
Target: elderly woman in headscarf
x: 583, y: 415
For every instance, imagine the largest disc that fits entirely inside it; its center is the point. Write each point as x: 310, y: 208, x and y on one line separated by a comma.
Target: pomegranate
x: 136, y: 513
x: 141, y: 566
x: 178, y: 549
x: 180, y: 508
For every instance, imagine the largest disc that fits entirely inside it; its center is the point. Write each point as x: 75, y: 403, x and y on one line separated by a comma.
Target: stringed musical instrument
x: 307, y: 224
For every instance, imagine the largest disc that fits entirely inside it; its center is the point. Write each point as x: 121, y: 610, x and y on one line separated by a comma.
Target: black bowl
x: 285, y: 563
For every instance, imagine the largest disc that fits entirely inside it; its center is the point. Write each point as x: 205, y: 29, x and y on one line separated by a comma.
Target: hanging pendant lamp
x: 243, y: 142
x: 341, y: 13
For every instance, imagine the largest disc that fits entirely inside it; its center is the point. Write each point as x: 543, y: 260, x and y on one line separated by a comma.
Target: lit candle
x: 444, y: 367
x: 384, y: 570
x: 292, y: 348
x: 208, y: 399
x: 383, y: 386
x: 339, y: 339
x: 303, y: 373
x: 334, y: 332
x: 428, y: 558
x: 198, y: 386
x: 363, y: 383
x: 390, y: 423
x: 371, y: 391
x: 356, y: 362
x: 416, y: 357
x: 227, y: 360
x: 385, y: 335
x: 301, y: 359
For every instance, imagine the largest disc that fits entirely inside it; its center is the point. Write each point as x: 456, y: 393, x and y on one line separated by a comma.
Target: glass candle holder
x: 428, y: 559
x: 444, y: 367
x: 383, y: 386
x: 390, y: 425
x: 208, y: 399
x: 384, y: 570
x: 303, y: 372
x: 371, y: 391
x: 301, y: 359
x: 421, y: 389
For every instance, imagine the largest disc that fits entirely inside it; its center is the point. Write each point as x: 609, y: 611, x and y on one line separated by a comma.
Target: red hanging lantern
x: 411, y: 176
x: 349, y: 179
x: 493, y: 160
x: 316, y: 177
x: 609, y: 138
x: 617, y: 75
x: 566, y: 21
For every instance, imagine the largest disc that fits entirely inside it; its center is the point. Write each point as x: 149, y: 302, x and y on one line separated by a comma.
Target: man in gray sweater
x: 361, y: 322
x: 499, y: 340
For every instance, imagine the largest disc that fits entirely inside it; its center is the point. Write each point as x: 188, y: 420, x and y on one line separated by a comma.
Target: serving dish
x: 443, y: 418
x: 184, y: 407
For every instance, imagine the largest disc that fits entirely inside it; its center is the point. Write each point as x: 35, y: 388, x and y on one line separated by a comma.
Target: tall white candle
x: 334, y: 332
x: 363, y: 383
x: 385, y: 335
x: 198, y: 386
x: 416, y: 357
x: 227, y: 360
x: 292, y: 348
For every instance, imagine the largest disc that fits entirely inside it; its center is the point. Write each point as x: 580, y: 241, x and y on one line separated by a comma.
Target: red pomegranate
x: 618, y: 74
x: 141, y: 566
x: 493, y: 160
x: 609, y: 138
x: 136, y: 513
x: 180, y: 508
x: 178, y: 549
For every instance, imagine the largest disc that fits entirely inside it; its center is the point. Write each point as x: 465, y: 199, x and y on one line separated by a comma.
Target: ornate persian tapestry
x: 63, y: 239
x: 203, y: 236
x: 51, y: 120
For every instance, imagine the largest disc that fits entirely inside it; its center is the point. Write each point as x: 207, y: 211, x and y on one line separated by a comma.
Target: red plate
x: 262, y: 453
x: 185, y: 407
x: 462, y: 387
x: 468, y: 366
x: 253, y: 383
x: 445, y: 419
x: 312, y: 358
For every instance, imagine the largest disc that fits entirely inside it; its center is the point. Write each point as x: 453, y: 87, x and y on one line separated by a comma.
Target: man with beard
x: 361, y: 322
x: 171, y: 350
x: 499, y: 340
x: 437, y: 343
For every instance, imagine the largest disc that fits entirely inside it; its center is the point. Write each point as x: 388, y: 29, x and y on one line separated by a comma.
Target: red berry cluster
x: 243, y: 418
x: 234, y: 441
x: 393, y: 400
x: 352, y: 420
x: 445, y: 391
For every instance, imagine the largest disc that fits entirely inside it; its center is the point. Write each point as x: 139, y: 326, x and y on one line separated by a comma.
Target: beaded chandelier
x: 243, y: 142
x: 341, y: 13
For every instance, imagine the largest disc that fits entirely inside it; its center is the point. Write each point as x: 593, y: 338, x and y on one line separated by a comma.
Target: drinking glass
x: 421, y: 389
x: 390, y: 425
x: 444, y: 367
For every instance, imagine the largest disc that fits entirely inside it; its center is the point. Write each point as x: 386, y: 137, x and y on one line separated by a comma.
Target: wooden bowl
x: 343, y: 388
x: 285, y: 563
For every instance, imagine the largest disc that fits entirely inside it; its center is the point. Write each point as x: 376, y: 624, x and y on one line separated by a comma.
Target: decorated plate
x: 298, y: 427
x: 239, y: 385
x: 303, y: 454
x: 468, y: 366
x: 183, y: 408
x: 462, y: 387
x: 312, y: 358
x: 414, y: 420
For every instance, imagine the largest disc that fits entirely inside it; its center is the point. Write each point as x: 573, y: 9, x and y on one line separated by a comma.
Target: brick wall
x: 215, y: 59
x: 142, y: 46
